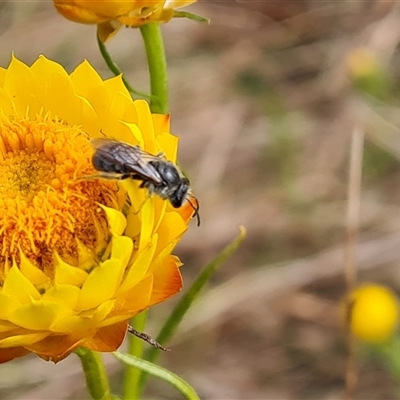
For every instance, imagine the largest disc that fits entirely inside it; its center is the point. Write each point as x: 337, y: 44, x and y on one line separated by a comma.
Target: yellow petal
x: 160, y: 206
x: 122, y: 247
x: 169, y: 144
x: 115, y: 84
x: 106, y: 30
x: 6, y: 106
x: 101, y: 284
x: 66, y: 274
x: 74, y: 323
x: 108, y: 338
x: 116, y: 220
x: 133, y: 223
x: 167, y: 280
x: 2, y: 75
x: 32, y: 272
x: 147, y: 220
x: 51, y: 75
x: 120, y: 109
x: 145, y: 124
x: 172, y: 229
x: 39, y: 315
x: 85, y: 79
x: 89, y: 86
x: 161, y: 124
x: 86, y: 257
x: 22, y: 340
x: 136, y: 134
x: 8, y: 327
x: 21, y: 84
x: 56, y: 347
x: 67, y: 295
x: 77, y: 13
x: 18, y: 285
x: 134, y: 300
x: 138, y: 198
x: 102, y: 311
x: 139, y: 267
x: 8, y: 304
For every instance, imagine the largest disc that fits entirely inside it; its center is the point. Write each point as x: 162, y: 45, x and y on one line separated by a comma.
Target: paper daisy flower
x: 110, y: 15
x: 78, y: 256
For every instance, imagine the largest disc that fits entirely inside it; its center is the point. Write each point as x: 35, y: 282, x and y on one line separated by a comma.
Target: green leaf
x: 174, y: 319
x: 159, y: 372
x: 189, y: 15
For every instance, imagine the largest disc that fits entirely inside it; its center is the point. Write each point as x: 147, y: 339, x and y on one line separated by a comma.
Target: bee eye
x: 176, y: 203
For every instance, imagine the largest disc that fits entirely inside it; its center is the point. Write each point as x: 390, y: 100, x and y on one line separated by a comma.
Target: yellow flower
x: 110, y: 15
x: 374, y: 313
x: 78, y: 257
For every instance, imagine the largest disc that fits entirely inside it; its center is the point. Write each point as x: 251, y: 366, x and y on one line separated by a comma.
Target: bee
x: 119, y: 160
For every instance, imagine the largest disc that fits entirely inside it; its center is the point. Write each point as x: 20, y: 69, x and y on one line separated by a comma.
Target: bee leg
x: 147, y: 338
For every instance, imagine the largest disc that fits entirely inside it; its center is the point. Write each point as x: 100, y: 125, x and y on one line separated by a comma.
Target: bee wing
x: 131, y: 158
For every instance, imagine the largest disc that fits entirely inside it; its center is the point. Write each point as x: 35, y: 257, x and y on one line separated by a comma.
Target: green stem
x: 157, y: 63
x: 116, y: 70
x: 95, y: 372
x: 135, y: 348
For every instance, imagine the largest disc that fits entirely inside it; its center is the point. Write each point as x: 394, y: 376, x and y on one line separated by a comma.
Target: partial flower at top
x: 110, y: 15
x: 79, y: 255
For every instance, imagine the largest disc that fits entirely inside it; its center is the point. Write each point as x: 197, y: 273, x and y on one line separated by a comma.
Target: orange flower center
x: 45, y: 209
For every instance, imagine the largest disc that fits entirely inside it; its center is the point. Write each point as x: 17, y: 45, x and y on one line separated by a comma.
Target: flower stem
x: 135, y: 348
x: 116, y: 71
x: 95, y: 372
x: 157, y: 63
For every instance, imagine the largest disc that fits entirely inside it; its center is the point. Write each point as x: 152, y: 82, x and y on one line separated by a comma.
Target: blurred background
x: 264, y: 99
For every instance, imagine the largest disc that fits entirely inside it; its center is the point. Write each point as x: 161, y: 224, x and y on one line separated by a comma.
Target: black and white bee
x: 119, y: 160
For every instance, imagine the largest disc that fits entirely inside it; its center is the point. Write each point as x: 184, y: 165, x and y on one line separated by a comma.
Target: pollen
x: 48, y: 210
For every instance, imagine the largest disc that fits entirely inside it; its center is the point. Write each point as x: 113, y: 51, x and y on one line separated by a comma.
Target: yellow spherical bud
x: 362, y: 62
x: 374, y: 313
x: 368, y: 73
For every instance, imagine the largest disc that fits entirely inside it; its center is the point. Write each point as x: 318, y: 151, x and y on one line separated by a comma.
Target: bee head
x: 175, y: 186
x: 180, y: 194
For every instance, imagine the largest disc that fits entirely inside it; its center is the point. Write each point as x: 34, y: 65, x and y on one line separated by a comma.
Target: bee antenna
x: 196, y: 208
